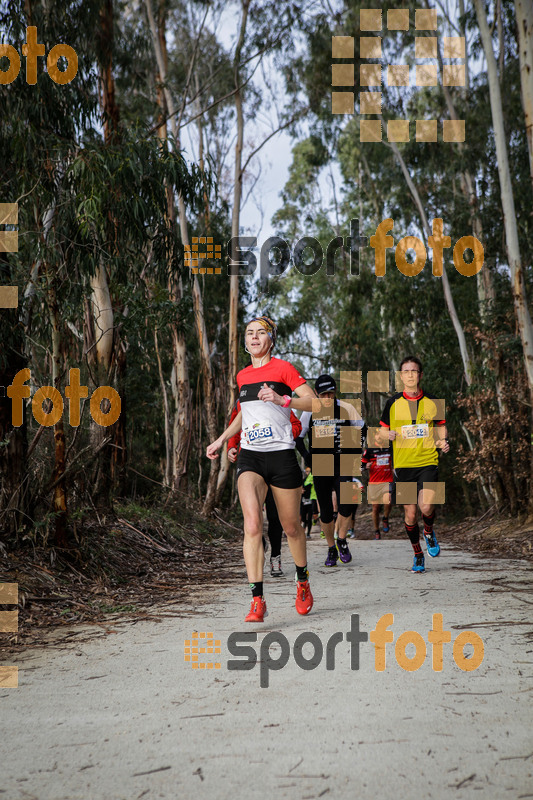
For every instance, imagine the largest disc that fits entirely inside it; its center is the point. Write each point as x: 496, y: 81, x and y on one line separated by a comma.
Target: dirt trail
x: 118, y: 713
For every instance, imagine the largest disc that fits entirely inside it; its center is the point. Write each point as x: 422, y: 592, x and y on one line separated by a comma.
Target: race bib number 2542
x: 415, y: 431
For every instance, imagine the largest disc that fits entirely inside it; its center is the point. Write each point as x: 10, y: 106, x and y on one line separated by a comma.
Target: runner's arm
x: 304, y: 402
x: 305, y: 398
x: 233, y: 428
x: 234, y: 441
x: 304, y: 452
x: 384, y: 434
x: 305, y: 420
x: 442, y: 442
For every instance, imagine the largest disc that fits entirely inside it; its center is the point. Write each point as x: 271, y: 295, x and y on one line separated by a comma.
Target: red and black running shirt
x: 266, y: 426
x: 379, y: 463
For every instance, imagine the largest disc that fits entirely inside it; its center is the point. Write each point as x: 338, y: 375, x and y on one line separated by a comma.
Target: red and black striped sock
x: 413, y: 532
x: 428, y: 523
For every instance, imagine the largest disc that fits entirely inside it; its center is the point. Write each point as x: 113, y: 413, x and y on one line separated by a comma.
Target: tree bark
x: 60, y: 489
x: 518, y: 286
x: 13, y: 460
x: 207, y: 372
x: 180, y: 376
x: 459, y: 332
x: 159, y: 42
x: 524, y: 22
x: 166, y: 411
x: 108, y: 348
x: 485, y: 288
x: 235, y: 226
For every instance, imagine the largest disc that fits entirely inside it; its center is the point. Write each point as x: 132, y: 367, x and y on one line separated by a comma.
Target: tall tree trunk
x: 180, y: 376
x: 108, y: 349
x: 60, y: 489
x: 166, y: 411
x: 159, y: 42
x: 207, y: 372
x: 235, y: 226
x: 101, y: 337
x: 459, y: 332
x: 518, y: 286
x: 13, y: 461
x: 524, y: 23
x: 485, y: 288
x: 484, y: 282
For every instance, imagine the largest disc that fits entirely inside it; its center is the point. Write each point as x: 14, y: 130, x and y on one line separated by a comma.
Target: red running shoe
x: 304, y: 598
x: 257, y: 611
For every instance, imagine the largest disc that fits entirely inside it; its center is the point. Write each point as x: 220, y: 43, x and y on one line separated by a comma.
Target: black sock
x: 302, y: 573
x: 413, y: 532
x: 275, y: 555
x: 417, y: 549
x: 257, y: 589
x: 428, y: 523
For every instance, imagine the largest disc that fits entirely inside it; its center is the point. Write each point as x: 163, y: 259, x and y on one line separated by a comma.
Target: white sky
x: 273, y: 160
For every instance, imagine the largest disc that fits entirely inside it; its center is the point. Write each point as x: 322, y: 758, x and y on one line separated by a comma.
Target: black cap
x: 325, y: 383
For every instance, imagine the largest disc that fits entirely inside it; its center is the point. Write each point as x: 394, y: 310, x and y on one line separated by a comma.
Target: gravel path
x: 121, y: 715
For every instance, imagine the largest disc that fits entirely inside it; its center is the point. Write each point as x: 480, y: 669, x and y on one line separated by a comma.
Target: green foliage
x: 364, y: 323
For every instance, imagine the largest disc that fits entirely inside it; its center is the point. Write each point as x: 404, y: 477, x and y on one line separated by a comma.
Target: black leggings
x: 274, y: 525
x: 324, y: 485
x: 307, y: 516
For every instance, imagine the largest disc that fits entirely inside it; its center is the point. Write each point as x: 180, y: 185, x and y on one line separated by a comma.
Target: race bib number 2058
x: 256, y: 434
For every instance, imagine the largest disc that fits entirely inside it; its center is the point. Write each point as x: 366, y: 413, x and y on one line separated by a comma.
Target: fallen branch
x: 145, y: 536
x: 227, y: 523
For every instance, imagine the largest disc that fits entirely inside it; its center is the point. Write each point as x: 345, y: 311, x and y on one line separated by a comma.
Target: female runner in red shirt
x: 267, y: 458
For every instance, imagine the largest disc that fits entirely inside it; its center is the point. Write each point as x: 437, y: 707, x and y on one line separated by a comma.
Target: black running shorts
x: 277, y: 467
x: 418, y: 475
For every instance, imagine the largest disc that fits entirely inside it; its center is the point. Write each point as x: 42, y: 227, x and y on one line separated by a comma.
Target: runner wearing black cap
x: 325, y: 438
x: 267, y: 458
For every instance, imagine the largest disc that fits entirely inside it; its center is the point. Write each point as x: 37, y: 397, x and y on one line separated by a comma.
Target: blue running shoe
x: 418, y: 564
x: 385, y: 524
x: 344, y: 551
x: 432, y: 544
x: 331, y: 560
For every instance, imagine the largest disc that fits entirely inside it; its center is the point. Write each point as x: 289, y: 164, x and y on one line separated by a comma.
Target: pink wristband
x: 287, y: 402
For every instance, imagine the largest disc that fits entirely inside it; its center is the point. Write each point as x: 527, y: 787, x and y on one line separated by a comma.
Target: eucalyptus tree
x: 40, y: 126
x: 412, y: 182
x: 86, y: 206
x: 514, y: 257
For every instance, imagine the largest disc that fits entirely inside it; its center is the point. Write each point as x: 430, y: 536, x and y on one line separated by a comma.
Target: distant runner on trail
x: 408, y: 421
x: 267, y: 458
x: 275, y: 531
x: 379, y: 464
x: 325, y: 438
x: 309, y: 506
